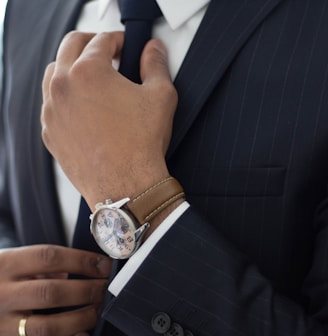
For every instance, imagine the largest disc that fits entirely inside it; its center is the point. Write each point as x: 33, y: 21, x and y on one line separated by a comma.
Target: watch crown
x: 108, y: 201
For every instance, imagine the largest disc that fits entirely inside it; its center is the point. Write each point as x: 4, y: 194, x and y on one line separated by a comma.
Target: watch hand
x: 108, y: 237
x: 120, y: 240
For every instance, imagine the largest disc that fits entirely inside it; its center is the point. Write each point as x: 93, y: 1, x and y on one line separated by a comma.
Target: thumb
x: 154, y: 63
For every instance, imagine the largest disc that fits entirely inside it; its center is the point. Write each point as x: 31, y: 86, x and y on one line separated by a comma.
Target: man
x: 248, y: 145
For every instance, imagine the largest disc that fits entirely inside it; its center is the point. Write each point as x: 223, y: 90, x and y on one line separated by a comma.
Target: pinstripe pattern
x: 258, y: 132
x: 253, y: 163
x: 250, y: 147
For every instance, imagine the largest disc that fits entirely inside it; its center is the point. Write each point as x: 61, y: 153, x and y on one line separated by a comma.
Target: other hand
x: 109, y: 134
x: 35, y: 278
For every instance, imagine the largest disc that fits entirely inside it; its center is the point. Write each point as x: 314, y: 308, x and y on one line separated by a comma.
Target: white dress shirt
x: 181, y: 19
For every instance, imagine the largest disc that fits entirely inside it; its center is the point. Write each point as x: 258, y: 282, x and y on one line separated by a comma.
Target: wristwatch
x: 119, y: 227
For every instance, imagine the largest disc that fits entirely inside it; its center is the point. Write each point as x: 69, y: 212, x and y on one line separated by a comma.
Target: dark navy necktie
x: 138, y: 17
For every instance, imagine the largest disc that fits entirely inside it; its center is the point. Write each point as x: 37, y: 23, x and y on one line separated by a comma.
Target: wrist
x: 133, y: 184
x: 120, y: 227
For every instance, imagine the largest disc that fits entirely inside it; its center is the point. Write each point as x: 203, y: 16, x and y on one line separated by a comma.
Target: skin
x: 109, y: 134
x: 35, y: 277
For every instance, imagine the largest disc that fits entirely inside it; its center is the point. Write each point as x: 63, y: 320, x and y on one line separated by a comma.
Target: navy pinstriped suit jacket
x: 250, y: 147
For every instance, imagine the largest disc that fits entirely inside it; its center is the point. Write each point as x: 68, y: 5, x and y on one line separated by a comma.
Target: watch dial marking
x: 114, y: 233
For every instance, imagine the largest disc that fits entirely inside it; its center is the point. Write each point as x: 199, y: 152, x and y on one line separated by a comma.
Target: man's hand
x: 109, y: 134
x: 35, y: 278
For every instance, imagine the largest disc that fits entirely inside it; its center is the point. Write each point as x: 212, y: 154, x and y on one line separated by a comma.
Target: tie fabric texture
x: 138, y: 17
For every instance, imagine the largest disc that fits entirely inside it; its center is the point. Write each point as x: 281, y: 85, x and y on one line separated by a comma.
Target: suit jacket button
x: 176, y: 330
x: 161, y: 322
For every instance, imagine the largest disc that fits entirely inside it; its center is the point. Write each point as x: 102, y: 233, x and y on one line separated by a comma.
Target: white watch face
x: 114, y: 232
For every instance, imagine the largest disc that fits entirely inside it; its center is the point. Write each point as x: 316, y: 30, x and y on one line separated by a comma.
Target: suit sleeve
x: 196, y: 277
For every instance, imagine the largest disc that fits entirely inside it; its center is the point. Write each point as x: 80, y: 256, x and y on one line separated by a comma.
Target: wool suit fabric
x: 249, y: 146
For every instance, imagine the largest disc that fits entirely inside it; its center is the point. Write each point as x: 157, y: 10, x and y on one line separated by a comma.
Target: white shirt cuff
x: 130, y: 267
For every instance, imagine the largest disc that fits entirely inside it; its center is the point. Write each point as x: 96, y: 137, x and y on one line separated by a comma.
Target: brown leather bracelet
x: 148, y: 204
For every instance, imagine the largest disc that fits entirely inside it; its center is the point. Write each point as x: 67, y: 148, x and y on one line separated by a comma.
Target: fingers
x: 46, y: 80
x: 154, y: 63
x: 63, y: 324
x: 96, y: 59
x: 77, y: 47
x: 79, y: 56
x: 25, y: 287
x: 25, y: 262
x: 104, y: 46
x: 156, y: 77
x: 9, y: 325
x: 46, y: 294
x: 69, y: 50
x: 72, y: 46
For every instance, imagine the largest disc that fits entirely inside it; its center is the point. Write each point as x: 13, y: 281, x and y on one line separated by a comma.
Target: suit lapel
x: 59, y: 19
x: 224, y: 30
x: 63, y: 19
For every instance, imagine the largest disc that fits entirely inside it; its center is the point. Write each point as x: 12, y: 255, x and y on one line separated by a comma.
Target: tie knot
x: 139, y: 10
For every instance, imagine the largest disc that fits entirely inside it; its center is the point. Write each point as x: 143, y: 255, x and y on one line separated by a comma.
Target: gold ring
x: 22, y: 327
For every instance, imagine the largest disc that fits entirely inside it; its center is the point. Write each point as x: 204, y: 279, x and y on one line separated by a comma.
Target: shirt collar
x: 176, y: 12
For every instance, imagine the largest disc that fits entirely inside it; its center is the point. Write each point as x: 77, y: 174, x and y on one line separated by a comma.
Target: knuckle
x: 105, y: 35
x: 49, y: 256
x: 73, y: 36
x: 83, y: 70
x: 49, y: 69
x: 46, y: 114
x: 45, y: 137
x: 58, y: 86
x: 49, y: 293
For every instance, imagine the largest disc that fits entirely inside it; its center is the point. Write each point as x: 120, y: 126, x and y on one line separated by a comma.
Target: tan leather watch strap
x: 152, y: 201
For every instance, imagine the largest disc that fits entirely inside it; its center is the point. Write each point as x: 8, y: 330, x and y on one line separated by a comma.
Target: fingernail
x: 104, y: 265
